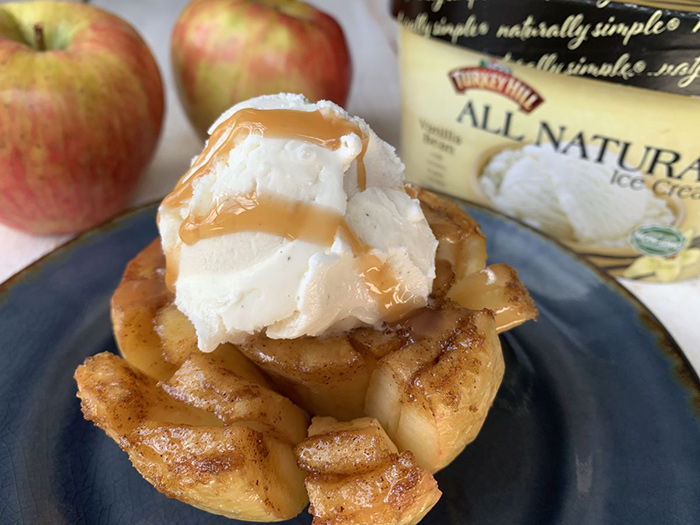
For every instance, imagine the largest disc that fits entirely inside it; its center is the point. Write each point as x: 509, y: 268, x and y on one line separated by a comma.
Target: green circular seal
x: 658, y: 241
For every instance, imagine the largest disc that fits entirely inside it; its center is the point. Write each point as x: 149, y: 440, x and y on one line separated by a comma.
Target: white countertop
x: 374, y: 96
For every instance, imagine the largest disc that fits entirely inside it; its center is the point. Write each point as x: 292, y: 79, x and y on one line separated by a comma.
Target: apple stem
x: 39, y: 37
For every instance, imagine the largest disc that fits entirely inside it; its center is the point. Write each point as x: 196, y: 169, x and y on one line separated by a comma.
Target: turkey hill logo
x: 494, y: 76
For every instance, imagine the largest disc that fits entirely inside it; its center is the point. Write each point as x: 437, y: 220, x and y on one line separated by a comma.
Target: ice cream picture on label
x: 573, y: 199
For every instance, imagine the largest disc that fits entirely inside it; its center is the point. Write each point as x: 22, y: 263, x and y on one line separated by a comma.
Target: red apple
x: 81, y: 108
x: 226, y: 51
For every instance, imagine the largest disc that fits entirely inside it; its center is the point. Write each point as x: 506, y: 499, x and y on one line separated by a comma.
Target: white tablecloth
x: 374, y: 96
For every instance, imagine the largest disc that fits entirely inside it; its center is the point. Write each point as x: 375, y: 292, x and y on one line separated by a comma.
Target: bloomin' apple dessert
x: 306, y: 328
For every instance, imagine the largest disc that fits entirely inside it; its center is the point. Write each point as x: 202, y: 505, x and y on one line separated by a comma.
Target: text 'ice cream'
x: 570, y: 198
x: 294, y: 220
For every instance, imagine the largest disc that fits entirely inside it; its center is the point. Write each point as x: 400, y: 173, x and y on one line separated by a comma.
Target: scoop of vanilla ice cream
x: 241, y: 283
x: 568, y: 197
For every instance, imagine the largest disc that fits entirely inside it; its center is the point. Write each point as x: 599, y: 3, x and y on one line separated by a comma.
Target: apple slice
x: 326, y: 376
x: 460, y: 241
x: 460, y: 266
x: 177, y: 336
x: 228, y: 386
x: 234, y: 471
x: 357, y: 476
x: 118, y: 398
x: 432, y: 395
x: 240, y: 465
x: 137, y: 300
x: 499, y: 289
x: 373, y: 344
x: 345, y: 447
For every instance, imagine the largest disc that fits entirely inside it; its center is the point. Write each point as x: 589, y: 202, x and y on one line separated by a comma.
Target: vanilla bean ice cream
x: 570, y: 198
x: 234, y: 283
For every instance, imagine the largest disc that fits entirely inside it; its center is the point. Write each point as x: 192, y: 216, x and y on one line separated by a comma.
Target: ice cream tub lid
x: 648, y: 44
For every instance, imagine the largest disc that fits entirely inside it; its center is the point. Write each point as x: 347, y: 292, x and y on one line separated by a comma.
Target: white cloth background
x: 371, y: 33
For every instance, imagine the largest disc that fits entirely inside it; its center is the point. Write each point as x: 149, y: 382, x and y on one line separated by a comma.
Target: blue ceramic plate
x: 597, y: 421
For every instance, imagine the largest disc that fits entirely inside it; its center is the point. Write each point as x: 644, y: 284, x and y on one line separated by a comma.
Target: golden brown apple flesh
x: 460, y: 266
x: 357, y: 476
x: 225, y: 453
x: 498, y: 289
x: 176, y: 334
x: 220, y: 385
x: 460, y: 240
x: 345, y: 447
x: 234, y: 471
x: 432, y: 395
x: 137, y: 300
x: 326, y: 376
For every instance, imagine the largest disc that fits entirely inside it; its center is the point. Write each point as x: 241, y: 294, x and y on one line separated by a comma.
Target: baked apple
x: 224, y: 430
x: 208, y: 436
x: 356, y: 475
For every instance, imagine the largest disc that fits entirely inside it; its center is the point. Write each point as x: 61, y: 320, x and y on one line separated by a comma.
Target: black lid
x: 655, y: 45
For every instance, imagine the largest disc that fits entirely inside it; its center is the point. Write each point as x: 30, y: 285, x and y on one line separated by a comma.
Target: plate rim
x: 687, y: 376
x: 69, y: 244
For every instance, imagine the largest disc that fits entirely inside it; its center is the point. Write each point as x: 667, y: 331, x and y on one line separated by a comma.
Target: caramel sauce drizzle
x: 278, y: 215
x: 392, y: 296
x: 309, y: 126
x: 172, y: 268
x: 267, y: 213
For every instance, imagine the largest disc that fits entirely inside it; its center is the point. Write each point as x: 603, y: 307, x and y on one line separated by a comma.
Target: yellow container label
x: 611, y: 170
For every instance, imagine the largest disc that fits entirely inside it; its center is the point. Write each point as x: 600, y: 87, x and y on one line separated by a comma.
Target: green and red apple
x: 226, y: 51
x: 81, y: 109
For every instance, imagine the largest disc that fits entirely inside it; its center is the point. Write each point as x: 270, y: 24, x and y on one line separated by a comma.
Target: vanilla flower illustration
x: 666, y: 269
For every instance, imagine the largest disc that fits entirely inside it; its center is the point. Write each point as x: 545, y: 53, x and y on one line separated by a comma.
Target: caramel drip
x: 361, y: 170
x: 411, y: 190
x: 172, y: 268
x: 267, y: 213
x: 309, y: 126
x: 392, y: 296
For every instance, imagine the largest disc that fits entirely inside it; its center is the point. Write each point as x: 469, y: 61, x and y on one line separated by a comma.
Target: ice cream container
x: 578, y: 117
